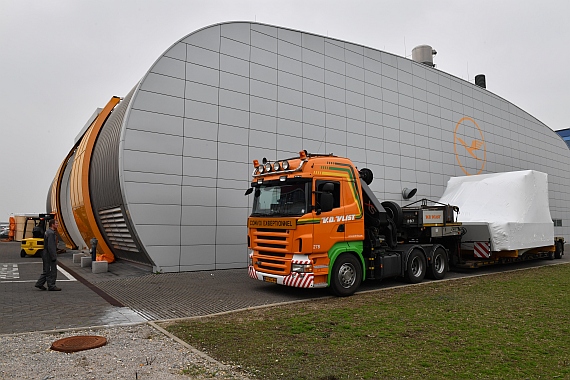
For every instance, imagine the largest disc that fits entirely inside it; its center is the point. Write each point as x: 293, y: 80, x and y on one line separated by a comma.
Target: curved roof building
x: 158, y: 177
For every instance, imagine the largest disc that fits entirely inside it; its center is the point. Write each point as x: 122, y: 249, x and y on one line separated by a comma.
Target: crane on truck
x: 316, y: 223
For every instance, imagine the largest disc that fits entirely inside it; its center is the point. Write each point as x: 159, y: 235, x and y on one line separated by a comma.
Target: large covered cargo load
x: 509, y: 210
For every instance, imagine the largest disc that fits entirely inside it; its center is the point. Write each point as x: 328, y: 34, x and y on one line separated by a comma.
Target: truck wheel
x: 22, y: 253
x: 559, y: 250
x: 346, y: 275
x: 439, y: 264
x: 416, y: 267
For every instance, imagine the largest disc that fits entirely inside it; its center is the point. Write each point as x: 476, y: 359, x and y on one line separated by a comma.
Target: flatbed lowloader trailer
x: 316, y: 223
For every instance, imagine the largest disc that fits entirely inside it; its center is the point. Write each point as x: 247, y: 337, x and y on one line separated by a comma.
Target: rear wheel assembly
x: 416, y: 267
x: 439, y: 264
x: 559, y: 249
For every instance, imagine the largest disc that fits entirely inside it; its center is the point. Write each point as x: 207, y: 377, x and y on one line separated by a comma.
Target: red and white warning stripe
x: 481, y: 250
x: 300, y: 280
x: 251, y: 272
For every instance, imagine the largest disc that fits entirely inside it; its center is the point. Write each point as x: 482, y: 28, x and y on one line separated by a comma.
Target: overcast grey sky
x: 61, y: 59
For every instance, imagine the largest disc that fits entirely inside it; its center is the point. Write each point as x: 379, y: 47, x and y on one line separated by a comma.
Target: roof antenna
x: 321, y: 144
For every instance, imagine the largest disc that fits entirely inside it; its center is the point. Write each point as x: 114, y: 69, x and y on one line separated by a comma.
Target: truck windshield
x: 281, y: 199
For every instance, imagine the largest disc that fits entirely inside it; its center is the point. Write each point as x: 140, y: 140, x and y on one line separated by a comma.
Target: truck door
x: 352, y: 211
x: 328, y: 230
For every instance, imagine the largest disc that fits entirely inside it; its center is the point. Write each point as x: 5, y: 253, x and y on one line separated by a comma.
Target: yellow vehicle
x: 34, y: 246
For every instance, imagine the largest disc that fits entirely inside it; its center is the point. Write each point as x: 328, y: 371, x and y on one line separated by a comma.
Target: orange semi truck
x: 315, y: 223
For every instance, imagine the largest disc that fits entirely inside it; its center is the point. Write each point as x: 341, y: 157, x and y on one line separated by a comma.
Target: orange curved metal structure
x: 80, y: 197
x: 56, y: 203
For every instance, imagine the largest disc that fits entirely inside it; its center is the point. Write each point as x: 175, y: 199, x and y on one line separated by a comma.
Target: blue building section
x: 565, y: 134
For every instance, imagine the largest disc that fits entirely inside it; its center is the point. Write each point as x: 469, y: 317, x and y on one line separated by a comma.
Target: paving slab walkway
x: 130, y: 293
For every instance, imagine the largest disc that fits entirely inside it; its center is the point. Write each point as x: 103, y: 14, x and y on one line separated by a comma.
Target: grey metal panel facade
x: 105, y: 190
x: 230, y: 93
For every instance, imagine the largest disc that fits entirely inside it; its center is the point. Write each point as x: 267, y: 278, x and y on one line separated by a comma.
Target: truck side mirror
x: 327, y: 201
x: 327, y: 197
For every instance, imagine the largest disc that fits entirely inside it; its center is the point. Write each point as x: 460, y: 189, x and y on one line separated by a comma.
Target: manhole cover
x: 78, y: 343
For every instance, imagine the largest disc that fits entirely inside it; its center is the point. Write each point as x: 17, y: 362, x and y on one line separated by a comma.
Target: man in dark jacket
x: 49, y: 258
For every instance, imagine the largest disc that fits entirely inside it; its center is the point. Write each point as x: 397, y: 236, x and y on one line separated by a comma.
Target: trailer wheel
x: 346, y: 275
x: 439, y: 264
x: 22, y: 253
x: 416, y: 267
x: 559, y: 250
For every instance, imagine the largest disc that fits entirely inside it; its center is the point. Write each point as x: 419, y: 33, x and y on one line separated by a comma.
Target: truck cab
x: 306, y: 211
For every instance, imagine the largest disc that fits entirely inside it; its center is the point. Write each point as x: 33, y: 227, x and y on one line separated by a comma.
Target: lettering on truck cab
x: 338, y: 218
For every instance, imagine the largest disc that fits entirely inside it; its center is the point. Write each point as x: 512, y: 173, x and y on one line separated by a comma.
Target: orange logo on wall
x: 470, y: 153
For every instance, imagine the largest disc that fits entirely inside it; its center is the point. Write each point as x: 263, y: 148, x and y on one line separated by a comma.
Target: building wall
x: 231, y: 93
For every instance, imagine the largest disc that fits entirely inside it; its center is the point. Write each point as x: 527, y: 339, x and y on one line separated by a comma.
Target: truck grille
x: 272, y: 248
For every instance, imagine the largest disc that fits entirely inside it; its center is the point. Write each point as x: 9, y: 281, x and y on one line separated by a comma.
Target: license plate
x: 270, y: 279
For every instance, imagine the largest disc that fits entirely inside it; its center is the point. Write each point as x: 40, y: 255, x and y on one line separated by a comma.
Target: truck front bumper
x: 298, y: 280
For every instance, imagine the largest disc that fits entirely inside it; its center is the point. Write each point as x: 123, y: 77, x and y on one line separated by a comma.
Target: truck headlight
x: 301, y: 268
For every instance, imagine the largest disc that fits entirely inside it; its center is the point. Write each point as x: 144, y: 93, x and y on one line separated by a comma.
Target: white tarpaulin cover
x: 514, y: 205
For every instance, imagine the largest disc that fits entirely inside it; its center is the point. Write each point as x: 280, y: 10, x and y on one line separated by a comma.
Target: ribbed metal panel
x: 105, y: 190
x: 48, y: 200
x: 117, y: 231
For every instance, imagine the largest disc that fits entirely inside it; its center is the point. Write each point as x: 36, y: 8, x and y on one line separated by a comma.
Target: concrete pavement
x: 126, y: 294
x: 130, y: 293
x: 24, y: 308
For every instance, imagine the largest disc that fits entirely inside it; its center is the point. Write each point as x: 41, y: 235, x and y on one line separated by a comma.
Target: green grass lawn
x: 504, y: 326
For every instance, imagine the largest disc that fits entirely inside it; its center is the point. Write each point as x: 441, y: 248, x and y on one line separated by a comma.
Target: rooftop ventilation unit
x: 424, y: 54
x: 480, y: 81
